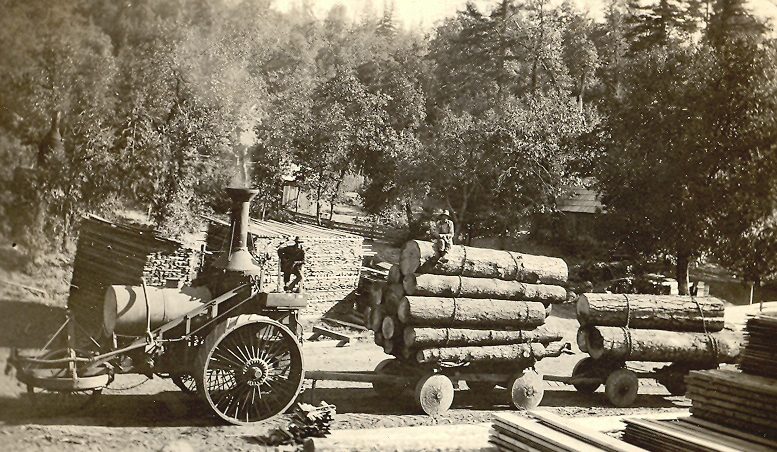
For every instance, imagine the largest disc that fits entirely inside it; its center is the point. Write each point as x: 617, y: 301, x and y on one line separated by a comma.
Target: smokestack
x: 237, y: 258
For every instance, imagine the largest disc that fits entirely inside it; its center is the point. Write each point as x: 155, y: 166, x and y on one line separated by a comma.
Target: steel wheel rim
x: 51, y: 402
x: 253, y: 372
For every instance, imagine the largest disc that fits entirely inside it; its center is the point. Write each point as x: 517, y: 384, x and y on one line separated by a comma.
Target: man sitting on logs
x: 292, y: 258
x: 443, y: 234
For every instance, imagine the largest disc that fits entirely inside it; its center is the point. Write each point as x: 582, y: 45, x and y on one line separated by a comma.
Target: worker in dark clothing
x: 443, y: 234
x: 292, y: 259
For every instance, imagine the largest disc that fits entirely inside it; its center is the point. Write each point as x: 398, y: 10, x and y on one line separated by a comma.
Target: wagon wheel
x: 54, y: 390
x: 585, y: 368
x: 621, y: 387
x: 434, y: 394
x: 389, y: 367
x: 185, y: 382
x: 526, y: 389
x: 249, y: 369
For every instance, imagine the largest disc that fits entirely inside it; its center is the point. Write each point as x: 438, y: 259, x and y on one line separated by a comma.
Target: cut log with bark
x: 391, y: 326
x: 394, y: 275
x: 518, y: 355
x: 376, y: 318
x: 420, y: 257
x: 375, y: 293
x: 483, y: 313
x: 392, y: 295
x: 616, y: 343
x: 460, y: 286
x: 420, y: 337
x: 582, y: 337
x: 659, y: 312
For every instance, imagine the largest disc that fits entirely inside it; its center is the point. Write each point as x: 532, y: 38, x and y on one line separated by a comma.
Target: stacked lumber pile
x: 692, y: 435
x: 656, y: 328
x: 111, y: 253
x: 742, y: 400
x: 731, y: 410
x: 549, y: 432
x: 332, y: 258
x: 758, y: 357
x: 476, y: 305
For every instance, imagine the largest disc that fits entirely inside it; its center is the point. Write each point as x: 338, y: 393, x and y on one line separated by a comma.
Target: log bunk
x: 687, y: 333
x: 476, y: 315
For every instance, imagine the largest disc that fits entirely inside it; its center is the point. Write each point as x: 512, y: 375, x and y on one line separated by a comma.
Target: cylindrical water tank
x: 124, y: 310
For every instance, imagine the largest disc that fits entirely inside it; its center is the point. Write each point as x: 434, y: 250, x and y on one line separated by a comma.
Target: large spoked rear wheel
x: 249, y: 369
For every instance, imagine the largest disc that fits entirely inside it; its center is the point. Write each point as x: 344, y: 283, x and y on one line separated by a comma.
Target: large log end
x: 582, y: 309
x: 409, y: 283
x: 394, y: 274
x: 410, y: 257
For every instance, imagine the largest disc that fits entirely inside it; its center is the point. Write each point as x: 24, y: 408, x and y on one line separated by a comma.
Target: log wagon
x: 476, y: 317
x: 684, y: 333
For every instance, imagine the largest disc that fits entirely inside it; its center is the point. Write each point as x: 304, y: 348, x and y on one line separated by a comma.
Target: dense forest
x: 157, y: 105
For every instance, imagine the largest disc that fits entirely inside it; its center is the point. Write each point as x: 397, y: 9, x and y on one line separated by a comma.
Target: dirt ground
x: 138, y: 414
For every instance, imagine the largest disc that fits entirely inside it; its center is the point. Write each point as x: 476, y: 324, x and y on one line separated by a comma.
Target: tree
x: 658, y: 24
x: 505, y: 116
x: 349, y: 128
x: 54, y: 60
x: 690, y: 161
x: 580, y: 54
x: 752, y: 254
x: 732, y: 21
x: 493, y: 170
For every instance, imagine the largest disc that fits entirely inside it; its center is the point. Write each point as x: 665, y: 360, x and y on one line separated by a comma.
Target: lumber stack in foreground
x: 422, y: 438
x: 549, y: 432
x: 475, y: 305
x: 731, y: 410
x: 759, y: 355
x: 736, y: 399
x: 689, y: 435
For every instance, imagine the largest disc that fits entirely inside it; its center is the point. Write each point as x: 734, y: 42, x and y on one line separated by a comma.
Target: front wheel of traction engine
x: 249, y: 369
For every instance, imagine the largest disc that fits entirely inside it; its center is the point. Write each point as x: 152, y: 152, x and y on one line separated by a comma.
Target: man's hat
x: 445, y: 213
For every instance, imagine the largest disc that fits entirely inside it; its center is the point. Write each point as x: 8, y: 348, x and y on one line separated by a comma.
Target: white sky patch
x: 429, y: 13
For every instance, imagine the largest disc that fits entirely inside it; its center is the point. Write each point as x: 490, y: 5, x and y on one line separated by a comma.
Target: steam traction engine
x: 223, y: 338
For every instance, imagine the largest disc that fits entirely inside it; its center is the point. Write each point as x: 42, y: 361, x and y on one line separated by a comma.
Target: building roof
x: 579, y: 199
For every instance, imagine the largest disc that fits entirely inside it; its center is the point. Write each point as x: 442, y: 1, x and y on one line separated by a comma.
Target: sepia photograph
x: 388, y: 225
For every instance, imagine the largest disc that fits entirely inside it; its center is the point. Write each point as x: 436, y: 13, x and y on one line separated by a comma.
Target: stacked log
x: 656, y: 328
x: 476, y: 306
